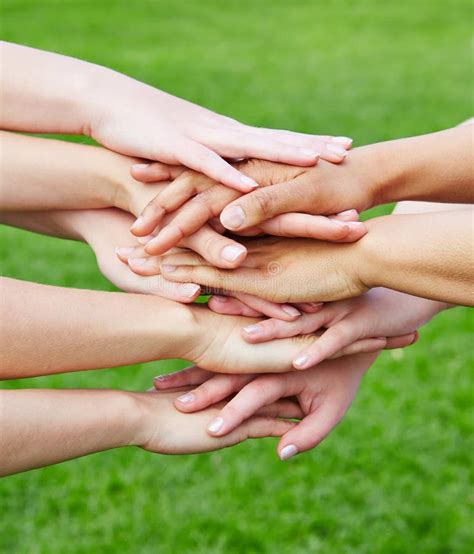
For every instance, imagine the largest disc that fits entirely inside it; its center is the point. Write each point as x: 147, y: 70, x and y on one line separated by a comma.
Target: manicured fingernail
x: 415, y: 338
x: 137, y: 261
x: 144, y: 240
x: 186, y: 398
x: 300, y: 362
x: 316, y: 304
x: 189, y: 290
x: 231, y: 253
x: 287, y: 452
x: 124, y: 252
x: 137, y: 223
x: 140, y: 166
x: 233, y: 217
x: 308, y: 153
x: 345, y: 141
x: 348, y: 212
x: 291, y: 311
x: 215, y: 425
x: 338, y: 150
x: 248, y: 181
x: 166, y: 268
x: 252, y: 329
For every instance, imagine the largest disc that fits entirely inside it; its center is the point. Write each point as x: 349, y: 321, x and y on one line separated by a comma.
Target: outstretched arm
x: 43, y: 427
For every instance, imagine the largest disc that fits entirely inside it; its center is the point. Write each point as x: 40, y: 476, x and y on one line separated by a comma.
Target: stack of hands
x: 184, y: 202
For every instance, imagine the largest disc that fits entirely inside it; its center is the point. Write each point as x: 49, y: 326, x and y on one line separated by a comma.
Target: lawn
x: 396, y: 475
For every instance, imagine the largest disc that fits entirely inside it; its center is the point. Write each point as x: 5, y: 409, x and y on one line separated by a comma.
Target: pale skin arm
x: 44, y: 92
x: 43, y: 427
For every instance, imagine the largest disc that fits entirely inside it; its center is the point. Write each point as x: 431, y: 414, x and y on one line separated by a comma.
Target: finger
x: 251, y: 398
x: 346, y: 215
x: 363, y: 346
x: 202, y: 159
x: 285, y: 408
x: 310, y: 431
x: 218, y: 250
x: 191, y: 217
x: 329, y: 343
x: 259, y: 427
x: 230, y: 306
x: 309, y: 307
x: 285, y: 312
x: 314, y: 226
x: 228, y: 280
x: 402, y: 341
x: 265, y: 203
x: 245, y: 144
x: 270, y: 329
x: 189, y: 376
x: 155, y: 171
x: 211, y: 391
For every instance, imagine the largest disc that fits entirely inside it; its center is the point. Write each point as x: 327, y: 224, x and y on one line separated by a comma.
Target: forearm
x: 46, y: 174
x: 44, y: 92
x: 49, y: 329
x: 427, y: 255
x: 43, y: 427
x: 437, y: 167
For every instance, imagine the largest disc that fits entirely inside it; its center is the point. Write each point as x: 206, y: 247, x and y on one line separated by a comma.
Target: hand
x: 102, y: 230
x: 350, y: 322
x: 204, y: 199
x: 214, y: 342
x: 165, y: 430
x: 165, y: 128
x: 279, y: 270
x: 324, y: 393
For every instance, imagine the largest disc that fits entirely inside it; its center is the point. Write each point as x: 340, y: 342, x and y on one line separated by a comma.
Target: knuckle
x: 265, y: 202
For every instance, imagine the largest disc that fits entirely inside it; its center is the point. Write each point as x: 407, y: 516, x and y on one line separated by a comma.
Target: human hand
x: 280, y: 270
x: 323, y: 393
x: 192, y: 200
x: 165, y: 430
x: 165, y: 128
x: 351, y: 325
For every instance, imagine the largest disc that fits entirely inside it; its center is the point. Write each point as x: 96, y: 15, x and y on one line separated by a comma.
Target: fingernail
x: 300, y: 362
x: 288, y: 452
x: 215, y: 425
x: 348, y: 212
x: 124, y: 252
x: 137, y: 223
x: 338, y: 150
x: 186, y: 398
x: 308, y: 153
x: 144, y: 240
x: 355, y: 224
x: 140, y: 166
x: 345, y: 141
x: 290, y: 310
x: 189, y: 290
x: 166, y: 268
x: 233, y: 217
x: 252, y: 329
x: 231, y: 253
x: 160, y: 378
x: 248, y: 181
x: 137, y: 261
x: 315, y: 304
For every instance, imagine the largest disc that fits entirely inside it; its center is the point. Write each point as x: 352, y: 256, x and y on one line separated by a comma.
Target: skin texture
x: 36, y: 98
x: 193, y: 199
x: 324, y: 394
x: 435, y: 167
x: 302, y: 270
x: 43, y: 427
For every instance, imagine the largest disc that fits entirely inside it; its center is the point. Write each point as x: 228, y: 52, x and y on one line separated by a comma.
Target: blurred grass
x: 396, y: 475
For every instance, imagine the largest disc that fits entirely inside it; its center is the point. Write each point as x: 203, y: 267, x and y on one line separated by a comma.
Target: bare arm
x: 43, y: 427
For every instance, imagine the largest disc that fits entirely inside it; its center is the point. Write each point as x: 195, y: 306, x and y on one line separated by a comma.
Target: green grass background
x: 396, y: 475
